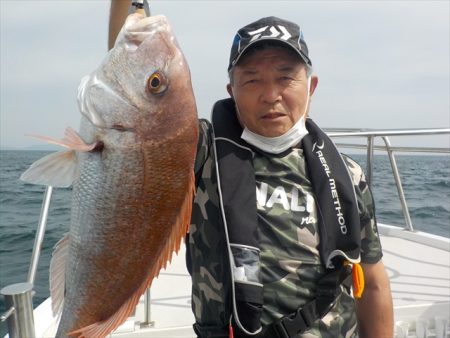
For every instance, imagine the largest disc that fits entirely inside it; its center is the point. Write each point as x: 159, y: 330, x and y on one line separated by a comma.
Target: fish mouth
x: 138, y: 29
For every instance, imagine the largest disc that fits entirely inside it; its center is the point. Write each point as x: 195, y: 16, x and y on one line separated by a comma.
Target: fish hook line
x: 141, y: 7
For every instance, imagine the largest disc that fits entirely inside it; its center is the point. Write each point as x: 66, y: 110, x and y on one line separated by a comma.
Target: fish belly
x: 125, y: 219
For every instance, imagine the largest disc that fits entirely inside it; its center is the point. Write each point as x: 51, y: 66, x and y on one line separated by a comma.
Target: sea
x: 425, y: 179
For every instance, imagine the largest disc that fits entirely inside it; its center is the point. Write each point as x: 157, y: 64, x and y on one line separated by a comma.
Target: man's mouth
x: 272, y: 116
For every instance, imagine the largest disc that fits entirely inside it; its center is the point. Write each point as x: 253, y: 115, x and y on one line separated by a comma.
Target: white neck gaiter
x: 278, y: 144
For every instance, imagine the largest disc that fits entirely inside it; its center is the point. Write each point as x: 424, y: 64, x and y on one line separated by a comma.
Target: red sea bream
x: 131, y: 166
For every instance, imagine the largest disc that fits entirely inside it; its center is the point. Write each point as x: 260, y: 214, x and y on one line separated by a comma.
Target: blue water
x: 426, y: 181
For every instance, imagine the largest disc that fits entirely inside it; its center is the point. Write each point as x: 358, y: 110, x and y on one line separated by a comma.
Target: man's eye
x: 249, y: 81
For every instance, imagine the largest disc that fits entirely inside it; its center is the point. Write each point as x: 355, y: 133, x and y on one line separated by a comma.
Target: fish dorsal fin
x: 57, y: 169
x: 103, y: 328
x: 57, y: 274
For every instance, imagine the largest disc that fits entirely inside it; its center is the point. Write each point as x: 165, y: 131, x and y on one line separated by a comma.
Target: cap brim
x: 305, y: 59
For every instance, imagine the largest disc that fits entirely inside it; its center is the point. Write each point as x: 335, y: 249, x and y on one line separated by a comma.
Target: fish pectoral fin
x: 57, y: 170
x: 57, y: 274
x: 71, y: 140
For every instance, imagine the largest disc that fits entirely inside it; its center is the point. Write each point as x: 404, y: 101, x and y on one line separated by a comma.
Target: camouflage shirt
x: 288, y: 232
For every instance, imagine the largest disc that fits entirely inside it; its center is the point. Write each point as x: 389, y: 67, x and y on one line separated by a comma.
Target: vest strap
x: 329, y: 288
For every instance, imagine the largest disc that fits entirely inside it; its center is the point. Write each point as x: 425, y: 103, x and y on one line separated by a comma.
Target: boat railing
x: 18, y: 297
x: 371, y: 135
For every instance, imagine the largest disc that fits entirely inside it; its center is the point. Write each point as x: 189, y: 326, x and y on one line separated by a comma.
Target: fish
x: 131, y: 167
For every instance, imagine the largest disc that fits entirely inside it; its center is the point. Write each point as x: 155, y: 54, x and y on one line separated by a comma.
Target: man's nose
x: 271, y: 93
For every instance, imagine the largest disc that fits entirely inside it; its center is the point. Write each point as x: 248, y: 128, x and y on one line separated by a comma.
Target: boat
x: 420, y: 283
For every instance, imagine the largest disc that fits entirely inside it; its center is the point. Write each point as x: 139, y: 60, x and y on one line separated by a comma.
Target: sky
x: 381, y: 64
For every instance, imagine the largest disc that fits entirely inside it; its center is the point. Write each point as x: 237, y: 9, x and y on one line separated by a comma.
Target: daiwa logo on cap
x: 273, y: 31
x: 270, y: 28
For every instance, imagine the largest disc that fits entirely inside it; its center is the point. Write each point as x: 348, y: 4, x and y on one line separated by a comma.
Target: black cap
x: 270, y: 28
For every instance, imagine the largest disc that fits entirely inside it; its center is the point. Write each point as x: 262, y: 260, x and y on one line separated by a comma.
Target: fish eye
x: 157, y: 83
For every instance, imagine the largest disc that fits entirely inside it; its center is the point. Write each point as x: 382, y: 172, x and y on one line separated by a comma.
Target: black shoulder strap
x: 237, y: 192
x: 340, y: 230
x: 236, y: 174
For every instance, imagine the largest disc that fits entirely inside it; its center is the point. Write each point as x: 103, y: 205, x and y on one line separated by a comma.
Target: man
x: 277, y: 221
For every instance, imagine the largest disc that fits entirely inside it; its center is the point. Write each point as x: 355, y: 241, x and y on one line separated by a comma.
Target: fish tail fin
x: 103, y: 328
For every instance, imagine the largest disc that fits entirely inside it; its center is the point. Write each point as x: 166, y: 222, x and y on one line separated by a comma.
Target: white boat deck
x: 419, y: 274
x: 418, y: 266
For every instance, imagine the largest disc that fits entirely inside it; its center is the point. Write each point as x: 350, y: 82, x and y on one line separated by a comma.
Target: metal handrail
x: 398, y: 149
x: 371, y: 135
x: 39, y: 239
x: 18, y: 297
x: 352, y: 132
x: 398, y: 184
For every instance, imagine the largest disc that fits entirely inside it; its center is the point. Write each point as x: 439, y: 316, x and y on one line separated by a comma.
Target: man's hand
x: 375, y: 310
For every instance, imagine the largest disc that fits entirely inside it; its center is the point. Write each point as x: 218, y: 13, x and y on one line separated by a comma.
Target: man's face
x: 270, y: 89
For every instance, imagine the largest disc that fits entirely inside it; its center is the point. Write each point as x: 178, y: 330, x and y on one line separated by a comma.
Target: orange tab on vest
x: 358, y: 280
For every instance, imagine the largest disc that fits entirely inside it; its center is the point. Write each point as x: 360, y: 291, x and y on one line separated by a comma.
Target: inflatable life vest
x: 339, y: 225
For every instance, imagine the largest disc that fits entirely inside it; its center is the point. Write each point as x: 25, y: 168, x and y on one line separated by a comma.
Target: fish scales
x: 133, y: 189
x: 123, y: 213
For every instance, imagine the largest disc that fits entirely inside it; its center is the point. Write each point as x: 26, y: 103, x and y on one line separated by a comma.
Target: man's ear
x: 230, y: 90
x: 313, y: 85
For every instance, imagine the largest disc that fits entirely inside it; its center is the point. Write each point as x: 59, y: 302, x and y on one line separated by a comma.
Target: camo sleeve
x: 206, y: 247
x: 370, y: 241
x: 203, y: 145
